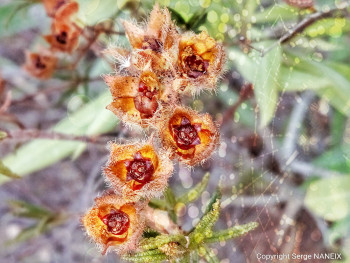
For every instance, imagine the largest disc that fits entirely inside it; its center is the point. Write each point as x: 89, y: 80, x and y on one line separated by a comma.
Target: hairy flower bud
x: 154, y: 43
x: 64, y: 34
x: 137, y: 170
x: 136, y: 100
x: 200, y: 63
x: 190, y: 135
x: 113, y: 222
x: 40, y: 65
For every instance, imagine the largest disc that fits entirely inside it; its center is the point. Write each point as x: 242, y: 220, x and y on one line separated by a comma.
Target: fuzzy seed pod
x: 137, y: 171
x: 138, y: 99
x: 189, y: 135
x: 113, y: 222
x: 300, y: 3
x: 200, y: 63
x: 155, y: 43
x: 40, y: 65
x: 64, y: 34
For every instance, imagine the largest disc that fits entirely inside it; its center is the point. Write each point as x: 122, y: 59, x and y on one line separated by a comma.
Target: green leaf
x: 329, y: 197
x: 148, y: 256
x: 197, y: 19
x: 28, y: 210
x: 266, y: 84
x: 337, y: 159
x: 280, y: 12
x: 14, y: 18
x: 94, y: 11
x: 170, y: 200
x: 4, y: 170
x: 158, y: 241
x: 339, y: 230
x: 208, y: 254
x: 195, y: 192
x: 231, y: 233
x: 148, y: 233
x: 338, y: 124
x: 180, y: 21
x: 263, y: 72
x: 158, y: 204
x: 329, y: 80
x: 204, y: 227
x: 91, y: 119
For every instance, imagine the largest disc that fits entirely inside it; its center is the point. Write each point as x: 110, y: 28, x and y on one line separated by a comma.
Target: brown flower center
x: 196, y: 66
x: 146, y: 101
x: 117, y: 222
x: 151, y: 43
x: 186, y: 134
x: 39, y: 64
x: 139, y: 169
x: 62, y: 37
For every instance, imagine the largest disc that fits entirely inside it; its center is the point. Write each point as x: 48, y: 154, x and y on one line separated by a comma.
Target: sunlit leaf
x: 154, y: 255
x: 42, y: 153
x: 195, y: 192
x: 329, y: 197
x: 25, y: 209
x: 266, y: 84
x: 4, y: 170
x: 231, y: 233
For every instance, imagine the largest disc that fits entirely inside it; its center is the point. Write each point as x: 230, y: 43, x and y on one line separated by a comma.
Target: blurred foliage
x: 317, y: 59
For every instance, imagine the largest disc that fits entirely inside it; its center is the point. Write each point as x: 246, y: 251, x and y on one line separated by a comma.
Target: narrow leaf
x: 4, y: 170
x: 266, y: 83
x: 155, y: 242
x: 208, y: 254
x: 203, y: 229
x: 232, y: 232
x: 195, y: 192
x: 25, y: 209
x: 147, y: 256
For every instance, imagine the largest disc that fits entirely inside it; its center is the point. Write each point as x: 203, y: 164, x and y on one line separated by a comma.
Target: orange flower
x: 52, y: 6
x: 40, y: 65
x: 138, y: 99
x: 192, y: 136
x: 200, y: 62
x: 113, y: 222
x: 137, y: 171
x: 155, y: 43
x: 64, y: 34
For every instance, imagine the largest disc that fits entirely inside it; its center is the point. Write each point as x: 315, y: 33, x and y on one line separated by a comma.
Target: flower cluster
x: 162, y: 67
x: 64, y: 37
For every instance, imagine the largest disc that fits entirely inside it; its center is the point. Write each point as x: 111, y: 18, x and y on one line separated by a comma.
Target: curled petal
x: 137, y: 171
x: 192, y: 137
x: 122, y: 86
x: 113, y: 222
x: 134, y: 34
x: 158, y: 20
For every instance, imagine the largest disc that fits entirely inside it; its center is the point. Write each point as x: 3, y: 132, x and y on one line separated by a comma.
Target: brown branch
x: 308, y: 21
x: 25, y: 135
x: 246, y: 93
